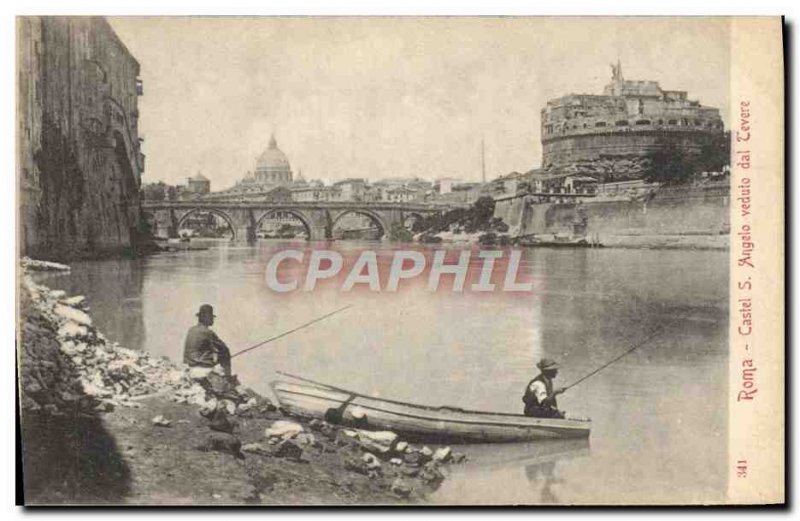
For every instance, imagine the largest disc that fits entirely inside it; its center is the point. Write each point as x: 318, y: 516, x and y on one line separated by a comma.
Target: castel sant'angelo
x: 610, y: 135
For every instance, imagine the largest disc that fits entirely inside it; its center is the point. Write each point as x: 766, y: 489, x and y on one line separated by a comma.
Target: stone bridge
x: 318, y: 217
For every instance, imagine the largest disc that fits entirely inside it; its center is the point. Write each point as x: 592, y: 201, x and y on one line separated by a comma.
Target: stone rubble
x: 374, y: 441
x: 375, y: 454
x: 111, y: 375
x: 40, y: 265
x: 161, y: 421
x: 282, y: 430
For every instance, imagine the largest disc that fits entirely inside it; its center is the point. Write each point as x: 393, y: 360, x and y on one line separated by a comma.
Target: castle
x: 614, y: 132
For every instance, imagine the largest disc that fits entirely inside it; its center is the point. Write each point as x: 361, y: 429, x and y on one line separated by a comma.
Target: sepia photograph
x: 399, y: 260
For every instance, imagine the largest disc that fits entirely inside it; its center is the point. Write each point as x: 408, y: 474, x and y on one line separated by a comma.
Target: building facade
x: 620, y: 127
x: 80, y: 157
x: 198, y: 184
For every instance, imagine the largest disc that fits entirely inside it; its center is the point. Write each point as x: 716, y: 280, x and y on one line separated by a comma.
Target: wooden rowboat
x: 420, y: 422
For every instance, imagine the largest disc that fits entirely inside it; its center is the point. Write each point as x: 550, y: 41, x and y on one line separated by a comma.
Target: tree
x: 399, y: 233
x: 716, y: 153
x: 670, y: 164
x: 154, y: 191
x: 480, y: 215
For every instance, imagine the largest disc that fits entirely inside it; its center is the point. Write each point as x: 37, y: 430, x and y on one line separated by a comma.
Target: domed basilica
x: 272, y: 169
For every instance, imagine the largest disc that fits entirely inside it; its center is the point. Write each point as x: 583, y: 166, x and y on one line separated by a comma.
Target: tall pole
x: 483, y: 161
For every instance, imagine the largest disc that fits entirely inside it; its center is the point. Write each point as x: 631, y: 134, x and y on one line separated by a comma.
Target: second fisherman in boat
x: 540, y: 395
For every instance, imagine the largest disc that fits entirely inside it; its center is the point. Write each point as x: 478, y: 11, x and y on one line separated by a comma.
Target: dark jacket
x: 204, y: 348
x: 532, y: 405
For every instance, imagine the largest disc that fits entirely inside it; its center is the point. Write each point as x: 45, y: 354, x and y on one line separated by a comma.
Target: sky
x: 387, y: 97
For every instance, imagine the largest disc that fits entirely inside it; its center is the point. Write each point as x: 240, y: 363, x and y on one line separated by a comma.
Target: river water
x: 659, y: 431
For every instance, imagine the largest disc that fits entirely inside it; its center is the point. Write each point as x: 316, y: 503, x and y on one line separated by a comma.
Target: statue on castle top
x: 616, y: 71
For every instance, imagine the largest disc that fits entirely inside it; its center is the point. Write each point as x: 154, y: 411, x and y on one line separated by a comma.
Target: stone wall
x: 619, y: 155
x: 79, y: 152
x: 671, y: 211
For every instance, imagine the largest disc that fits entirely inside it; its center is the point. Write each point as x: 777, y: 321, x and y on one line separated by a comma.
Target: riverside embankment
x: 672, y: 217
x: 104, y: 424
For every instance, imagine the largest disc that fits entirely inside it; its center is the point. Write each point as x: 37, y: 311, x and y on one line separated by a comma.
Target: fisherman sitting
x: 208, y: 357
x: 540, y: 397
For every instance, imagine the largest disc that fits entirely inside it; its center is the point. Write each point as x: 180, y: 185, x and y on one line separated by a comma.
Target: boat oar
x: 298, y: 328
x: 320, y: 384
x: 657, y: 331
x: 333, y: 414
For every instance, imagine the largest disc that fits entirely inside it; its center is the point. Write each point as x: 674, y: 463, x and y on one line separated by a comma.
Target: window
x: 643, y: 122
x: 673, y: 122
x: 600, y: 124
x: 622, y: 123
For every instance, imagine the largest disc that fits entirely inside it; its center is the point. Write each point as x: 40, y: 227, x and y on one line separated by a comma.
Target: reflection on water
x: 546, y: 473
x: 659, y: 415
x: 538, y: 462
x: 113, y: 289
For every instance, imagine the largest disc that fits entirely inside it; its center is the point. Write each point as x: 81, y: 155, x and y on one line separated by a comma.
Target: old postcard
x: 400, y: 260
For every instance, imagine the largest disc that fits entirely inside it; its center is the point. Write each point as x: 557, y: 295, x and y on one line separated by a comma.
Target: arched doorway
x: 284, y: 225
x: 357, y: 225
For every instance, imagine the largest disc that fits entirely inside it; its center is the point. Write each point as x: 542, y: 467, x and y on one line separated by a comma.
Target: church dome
x: 272, y: 158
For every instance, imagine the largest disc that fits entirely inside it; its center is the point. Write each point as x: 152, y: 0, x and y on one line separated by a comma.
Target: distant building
x: 563, y: 183
x: 616, y: 130
x: 351, y: 189
x: 508, y: 184
x: 198, y: 184
x: 314, y: 192
x: 444, y: 185
x: 272, y: 166
x: 272, y: 169
x: 401, y: 194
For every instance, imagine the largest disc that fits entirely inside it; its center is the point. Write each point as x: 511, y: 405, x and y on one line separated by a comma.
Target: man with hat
x: 540, y: 396
x: 204, y: 352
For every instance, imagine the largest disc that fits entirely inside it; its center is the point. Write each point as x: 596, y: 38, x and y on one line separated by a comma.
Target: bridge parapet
x: 318, y: 217
x: 300, y: 205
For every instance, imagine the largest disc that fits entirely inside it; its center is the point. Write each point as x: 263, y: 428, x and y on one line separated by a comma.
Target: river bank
x: 624, y: 239
x: 102, y: 424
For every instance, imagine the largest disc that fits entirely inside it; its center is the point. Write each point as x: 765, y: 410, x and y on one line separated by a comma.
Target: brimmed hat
x: 547, y: 364
x: 207, y: 310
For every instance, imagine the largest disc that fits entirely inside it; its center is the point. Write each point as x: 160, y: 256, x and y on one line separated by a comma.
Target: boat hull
x: 419, y: 422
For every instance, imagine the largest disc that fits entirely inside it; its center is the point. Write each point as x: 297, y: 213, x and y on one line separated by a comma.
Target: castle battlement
x: 630, y: 118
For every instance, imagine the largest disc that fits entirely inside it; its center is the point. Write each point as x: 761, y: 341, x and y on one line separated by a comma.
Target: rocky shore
x: 102, y: 424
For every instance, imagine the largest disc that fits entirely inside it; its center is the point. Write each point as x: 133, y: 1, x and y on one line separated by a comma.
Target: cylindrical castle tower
x: 629, y: 121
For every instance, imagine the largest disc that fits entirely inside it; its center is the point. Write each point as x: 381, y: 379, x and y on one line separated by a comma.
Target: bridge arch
x: 219, y: 213
x: 303, y: 218
x: 409, y: 218
x: 373, y: 216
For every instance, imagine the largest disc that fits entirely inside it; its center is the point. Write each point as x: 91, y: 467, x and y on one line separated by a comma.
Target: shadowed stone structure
x: 80, y: 157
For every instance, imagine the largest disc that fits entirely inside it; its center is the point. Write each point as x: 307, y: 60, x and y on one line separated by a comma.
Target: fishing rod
x: 298, y: 328
x: 657, y: 331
